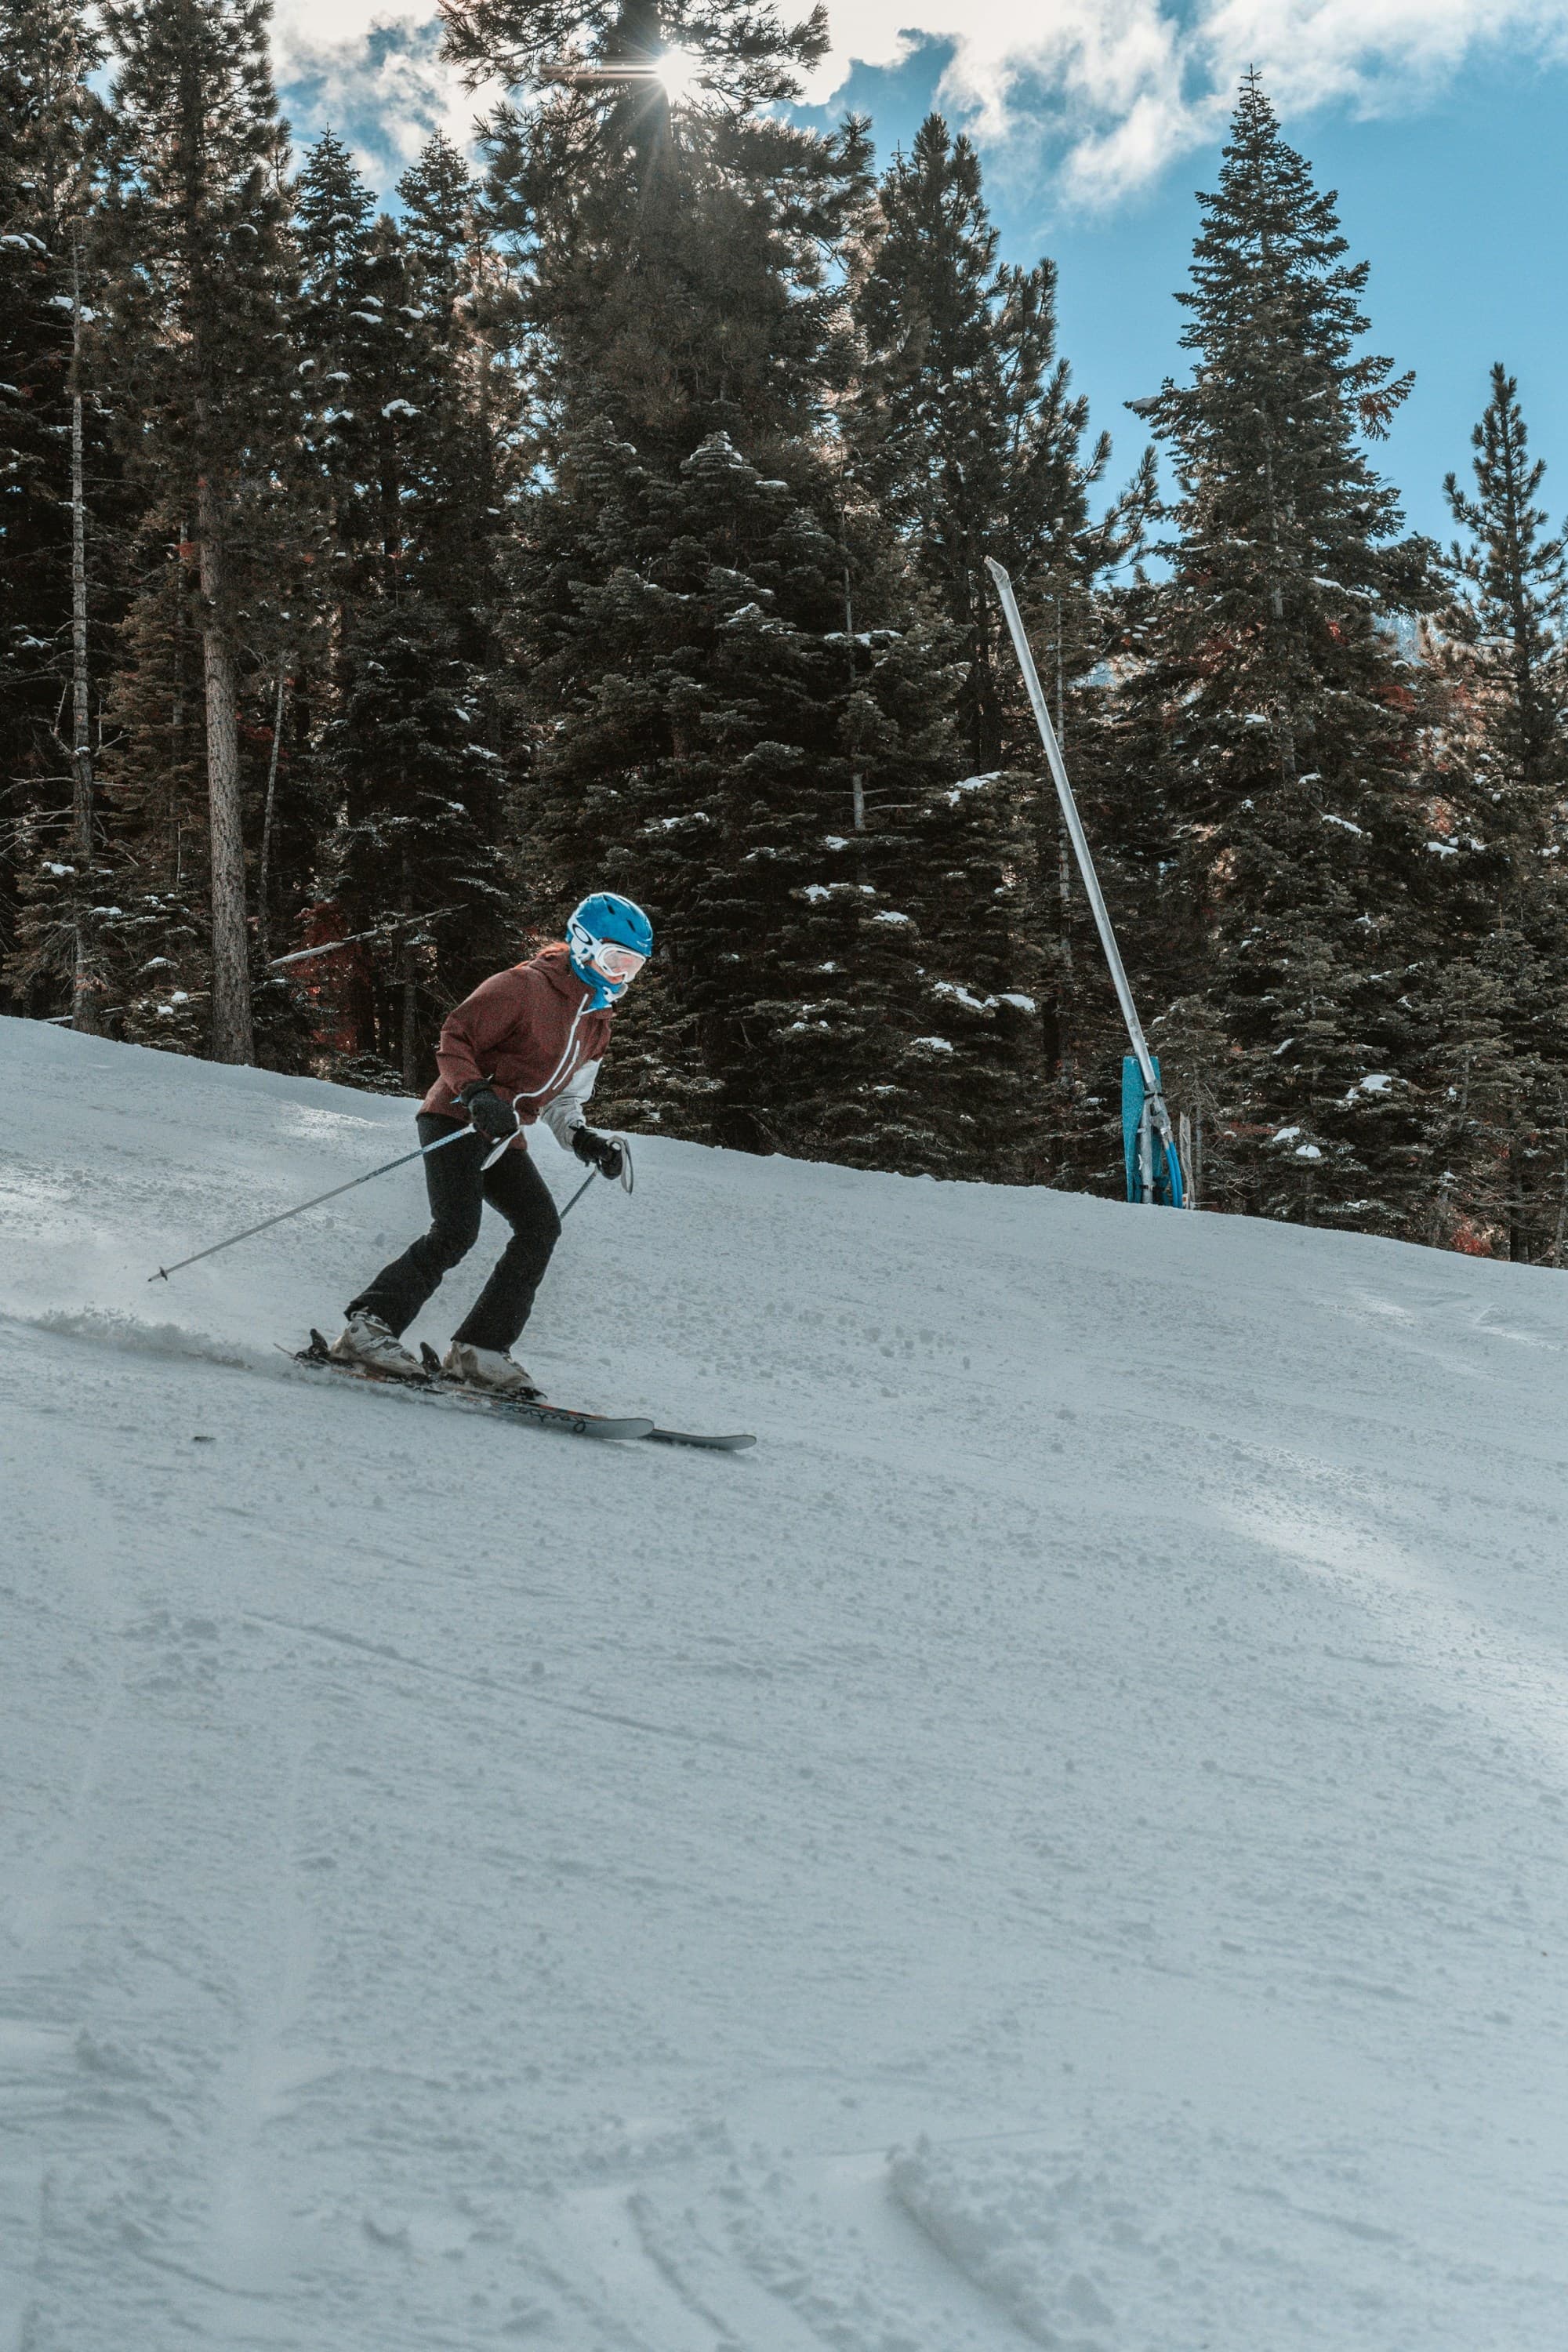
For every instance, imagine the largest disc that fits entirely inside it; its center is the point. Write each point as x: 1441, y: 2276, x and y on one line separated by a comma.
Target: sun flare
x: 679, y: 70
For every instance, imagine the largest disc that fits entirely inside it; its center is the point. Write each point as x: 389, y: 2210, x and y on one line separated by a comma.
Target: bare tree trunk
x: 1289, y: 763
x: 263, y: 916
x: 232, y: 1040
x: 410, y: 1039
x: 857, y: 782
x: 1517, y: 1251
x: 1064, y: 1058
x: 85, y: 987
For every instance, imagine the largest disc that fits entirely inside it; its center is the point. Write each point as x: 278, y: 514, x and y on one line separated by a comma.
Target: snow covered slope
x: 1062, y: 1844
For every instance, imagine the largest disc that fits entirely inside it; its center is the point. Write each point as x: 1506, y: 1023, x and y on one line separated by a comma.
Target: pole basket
x: 1154, y: 1173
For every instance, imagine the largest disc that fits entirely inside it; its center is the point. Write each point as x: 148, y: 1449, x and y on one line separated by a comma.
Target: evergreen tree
x: 419, y: 748
x: 1500, y: 988
x: 358, y: 365
x: 804, y: 997
x: 468, y: 445
x: 201, y: 317
x: 1291, y: 722
x: 333, y: 210
x: 58, y: 506
x: 675, y: 253
x: 364, y: 369
x: 441, y: 230
x: 1512, y: 585
x: 157, y: 935
x: 743, y: 706
x: 964, y: 429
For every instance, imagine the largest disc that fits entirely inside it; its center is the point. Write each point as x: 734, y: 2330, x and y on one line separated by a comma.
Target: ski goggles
x: 617, y: 964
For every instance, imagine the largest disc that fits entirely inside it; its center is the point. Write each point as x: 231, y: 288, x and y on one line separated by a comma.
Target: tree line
x: 615, y: 512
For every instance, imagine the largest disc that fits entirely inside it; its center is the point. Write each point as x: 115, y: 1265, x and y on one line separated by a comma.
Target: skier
x: 526, y: 1045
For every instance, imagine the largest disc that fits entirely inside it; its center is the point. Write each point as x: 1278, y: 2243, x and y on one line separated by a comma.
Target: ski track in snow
x: 1063, y: 1845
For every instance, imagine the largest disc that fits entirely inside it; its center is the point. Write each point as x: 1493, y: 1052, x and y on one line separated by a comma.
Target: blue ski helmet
x: 607, y: 921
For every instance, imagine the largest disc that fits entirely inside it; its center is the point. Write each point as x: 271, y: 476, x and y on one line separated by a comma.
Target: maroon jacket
x: 528, y: 1031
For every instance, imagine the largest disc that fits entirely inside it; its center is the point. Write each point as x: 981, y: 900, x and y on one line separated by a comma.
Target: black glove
x: 596, y: 1151
x: 490, y: 1112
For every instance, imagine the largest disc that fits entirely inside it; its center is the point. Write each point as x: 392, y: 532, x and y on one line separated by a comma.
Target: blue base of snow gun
x: 1142, y: 1142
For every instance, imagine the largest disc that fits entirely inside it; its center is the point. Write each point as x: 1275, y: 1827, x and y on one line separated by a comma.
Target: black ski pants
x: 459, y: 1186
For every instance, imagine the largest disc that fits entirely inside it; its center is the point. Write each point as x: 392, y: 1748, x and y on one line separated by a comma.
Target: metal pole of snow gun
x: 1152, y: 1117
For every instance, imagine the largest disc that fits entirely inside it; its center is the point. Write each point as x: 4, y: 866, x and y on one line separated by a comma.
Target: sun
x: 679, y: 70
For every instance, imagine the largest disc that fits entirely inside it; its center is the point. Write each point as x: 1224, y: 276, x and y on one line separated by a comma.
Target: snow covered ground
x: 1064, y: 1843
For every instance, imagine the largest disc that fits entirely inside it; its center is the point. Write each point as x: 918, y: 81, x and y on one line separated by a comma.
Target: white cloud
x: 371, y: 68
x: 1116, y: 90
x: 1112, y: 90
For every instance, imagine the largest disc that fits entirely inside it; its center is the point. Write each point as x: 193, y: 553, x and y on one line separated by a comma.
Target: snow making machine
x: 1157, y: 1171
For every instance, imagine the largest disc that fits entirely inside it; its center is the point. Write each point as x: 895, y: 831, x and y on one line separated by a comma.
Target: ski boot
x: 365, y: 1339
x: 489, y: 1368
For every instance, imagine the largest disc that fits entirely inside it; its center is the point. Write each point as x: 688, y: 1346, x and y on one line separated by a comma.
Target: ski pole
x: 384, y: 1170
x: 627, y: 1178
x: 577, y: 1196
x: 284, y: 1214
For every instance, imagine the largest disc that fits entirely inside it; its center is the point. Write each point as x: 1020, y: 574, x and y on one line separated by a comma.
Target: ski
x: 735, y: 1444
x: 431, y: 1380
x: 318, y: 1357
x: 732, y: 1444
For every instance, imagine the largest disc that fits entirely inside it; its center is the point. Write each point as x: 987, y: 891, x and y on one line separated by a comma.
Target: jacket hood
x: 556, y: 965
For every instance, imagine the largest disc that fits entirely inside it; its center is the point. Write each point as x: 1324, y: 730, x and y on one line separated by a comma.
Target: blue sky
x: 1446, y: 153
x: 1460, y: 205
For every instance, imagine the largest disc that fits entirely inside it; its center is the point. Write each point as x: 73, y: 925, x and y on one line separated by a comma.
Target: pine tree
x: 358, y: 365
x: 468, y: 467
x: 156, y: 935
x: 441, y: 230
x: 419, y: 746
x: 1498, y: 989
x: 744, y: 706
x: 359, y: 372
x: 964, y: 429
x: 722, y: 715
x: 354, y: 360
x: 1292, y: 721
x: 61, y: 498
x: 201, y: 326
x: 676, y: 259
x: 333, y: 210
x: 1513, y: 589
x: 366, y: 349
